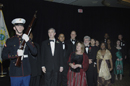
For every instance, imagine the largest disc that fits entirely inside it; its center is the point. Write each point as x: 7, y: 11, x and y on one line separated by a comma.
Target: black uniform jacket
x: 10, y: 52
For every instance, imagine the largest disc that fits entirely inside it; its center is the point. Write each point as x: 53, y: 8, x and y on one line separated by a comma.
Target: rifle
x: 23, y: 44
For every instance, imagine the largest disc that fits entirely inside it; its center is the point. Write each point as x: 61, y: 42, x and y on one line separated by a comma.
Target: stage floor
x: 5, y: 81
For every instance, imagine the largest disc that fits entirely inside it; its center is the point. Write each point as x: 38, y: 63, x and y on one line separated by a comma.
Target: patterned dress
x: 77, y: 77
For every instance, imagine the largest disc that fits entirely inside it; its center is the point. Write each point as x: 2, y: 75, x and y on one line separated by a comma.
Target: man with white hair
x: 86, y: 43
x: 91, y: 51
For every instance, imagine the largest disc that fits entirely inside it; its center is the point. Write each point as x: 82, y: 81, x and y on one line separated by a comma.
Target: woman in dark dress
x: 93, y: 54
x: 110, y: 47
x: 78, y: 62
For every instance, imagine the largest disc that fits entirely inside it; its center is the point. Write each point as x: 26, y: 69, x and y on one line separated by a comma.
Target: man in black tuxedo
x: 106, y: 36
x: 91, y: 51
x: 87, y: 44
x: 52, y: 58
x: 62, y: 80
x: 72, y: 40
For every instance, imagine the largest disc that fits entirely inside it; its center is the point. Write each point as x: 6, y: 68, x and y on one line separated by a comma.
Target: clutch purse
x: 119, y: 67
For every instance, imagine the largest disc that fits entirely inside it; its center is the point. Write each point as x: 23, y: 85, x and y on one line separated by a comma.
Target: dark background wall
x: 94, y: 21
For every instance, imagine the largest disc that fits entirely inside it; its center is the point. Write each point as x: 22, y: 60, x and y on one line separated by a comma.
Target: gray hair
x: 87, y: 37
x: 52, y: 29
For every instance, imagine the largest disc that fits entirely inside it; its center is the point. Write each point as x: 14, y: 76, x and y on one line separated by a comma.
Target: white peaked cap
x: 18, y: 20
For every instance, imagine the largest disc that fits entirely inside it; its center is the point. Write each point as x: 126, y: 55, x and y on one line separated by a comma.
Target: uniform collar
x: 19, y: 36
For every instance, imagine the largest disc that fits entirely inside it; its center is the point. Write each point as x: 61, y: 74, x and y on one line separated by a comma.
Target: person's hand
x: 77, y: 65
x: 72, y: 66
x: 25, y: 37
x: 121, y: 59
x: 110, y: 69
x: 97, y: 71
x: 44, y: 69
x: 125, y: 57
x: 90, y: 61
x: 118, y: 60
x: 20, y: 52
x: 61, y: 69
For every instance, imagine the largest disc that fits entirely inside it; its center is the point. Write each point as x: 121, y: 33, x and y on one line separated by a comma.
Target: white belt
x: 24, y: 56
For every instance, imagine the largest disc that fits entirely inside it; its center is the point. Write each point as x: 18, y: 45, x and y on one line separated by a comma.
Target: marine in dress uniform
x: 19, y: 76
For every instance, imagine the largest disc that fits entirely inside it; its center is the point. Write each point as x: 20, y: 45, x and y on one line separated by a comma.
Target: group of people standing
x: 63, y: 63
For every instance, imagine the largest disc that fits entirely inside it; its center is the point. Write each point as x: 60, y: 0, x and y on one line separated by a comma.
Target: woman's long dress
x: 77, y: 77
x: 104, y: 75
x: 118, y: 64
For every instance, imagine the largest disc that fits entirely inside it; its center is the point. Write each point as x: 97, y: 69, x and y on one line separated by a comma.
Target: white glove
x: 61, y: 69
x: 25, y: 37
x: 20, y: 52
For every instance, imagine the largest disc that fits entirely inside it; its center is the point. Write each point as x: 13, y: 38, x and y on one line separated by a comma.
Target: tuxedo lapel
x: 71, y: 42
x: 65, y: 46
x: 55, y: 48
x: 89, y: 50
x: 49, y: 45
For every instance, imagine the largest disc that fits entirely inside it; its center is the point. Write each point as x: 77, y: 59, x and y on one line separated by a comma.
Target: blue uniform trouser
x: 20, y: 81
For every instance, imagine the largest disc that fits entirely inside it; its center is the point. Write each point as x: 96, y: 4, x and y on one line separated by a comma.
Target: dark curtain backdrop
x: 94, y: 21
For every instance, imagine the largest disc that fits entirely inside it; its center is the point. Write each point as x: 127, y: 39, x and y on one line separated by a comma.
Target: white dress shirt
x: 87, y: 49
x: 63, y: 45
x: 52, y: 47
x: 72, y: 41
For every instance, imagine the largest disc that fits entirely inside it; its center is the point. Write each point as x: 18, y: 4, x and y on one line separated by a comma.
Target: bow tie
x: 73, y: 40
x: 63, y: 43
x: 51, y: 40
x: 86, y: 46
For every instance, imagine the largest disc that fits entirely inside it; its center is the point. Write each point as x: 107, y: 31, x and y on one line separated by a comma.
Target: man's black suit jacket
x: 92, y: 52
x: 51, y: 63
x: 66, y: 53
x: 73, y: 46
x: 35, y: 62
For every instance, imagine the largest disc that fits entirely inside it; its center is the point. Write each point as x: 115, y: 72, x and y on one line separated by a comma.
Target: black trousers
x: 112, y: 76
x: 95, y: 75
x: 35, y: 81
x: 90, y: 75
x: 62, y: 78
x: 51, y: 78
